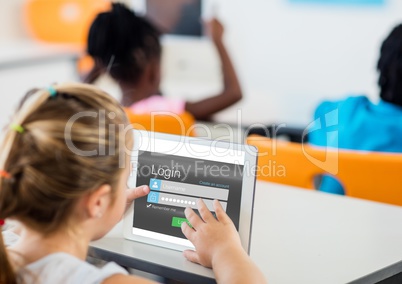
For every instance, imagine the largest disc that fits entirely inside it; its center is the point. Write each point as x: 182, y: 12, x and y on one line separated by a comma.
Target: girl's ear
x: 98, y: 201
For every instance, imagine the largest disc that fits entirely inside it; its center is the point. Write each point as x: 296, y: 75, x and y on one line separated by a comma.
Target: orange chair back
x: 166, y: 123
x: 368, y: 175
x: 62, y: 21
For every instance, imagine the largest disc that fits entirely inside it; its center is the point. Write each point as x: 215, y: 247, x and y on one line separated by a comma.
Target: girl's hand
x: 211, y: 237
x: 134, y: 193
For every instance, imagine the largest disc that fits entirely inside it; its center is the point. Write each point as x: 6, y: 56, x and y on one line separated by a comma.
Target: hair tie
x: 52, y: 91
x: 17, y: 128
x: 5, y: 174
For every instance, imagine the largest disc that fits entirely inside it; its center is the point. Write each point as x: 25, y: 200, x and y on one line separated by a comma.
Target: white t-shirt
x: 62, y: 268
x: 65, y: 268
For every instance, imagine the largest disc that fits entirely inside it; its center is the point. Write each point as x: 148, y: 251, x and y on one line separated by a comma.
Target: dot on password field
x: 180, y: 201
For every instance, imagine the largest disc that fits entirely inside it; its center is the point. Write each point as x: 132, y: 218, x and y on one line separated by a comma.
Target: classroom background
x: 289, y: 55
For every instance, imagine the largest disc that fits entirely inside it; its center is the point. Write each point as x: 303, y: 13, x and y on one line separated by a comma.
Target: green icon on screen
x: 176, y: 222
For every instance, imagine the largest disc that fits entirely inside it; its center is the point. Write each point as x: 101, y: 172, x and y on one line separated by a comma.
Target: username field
x: 189, y: 189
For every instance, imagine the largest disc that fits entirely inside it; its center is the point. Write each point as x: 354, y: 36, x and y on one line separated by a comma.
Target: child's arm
x: 231, y: 93
x: 218, y: 246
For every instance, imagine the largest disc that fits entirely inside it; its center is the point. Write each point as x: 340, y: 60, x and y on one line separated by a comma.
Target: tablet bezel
x: 247, y: 196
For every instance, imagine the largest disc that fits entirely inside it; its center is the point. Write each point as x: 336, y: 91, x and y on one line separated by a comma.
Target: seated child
x: 361, y: 124
x: 63, y: 175
x: 128, y: 48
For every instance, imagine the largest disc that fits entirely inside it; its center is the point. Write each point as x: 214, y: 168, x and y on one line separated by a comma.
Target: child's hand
x: 211, y: 237
x: 215, y: 30
x: 134, y: 193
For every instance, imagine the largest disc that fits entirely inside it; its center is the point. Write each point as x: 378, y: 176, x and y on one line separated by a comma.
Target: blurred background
x: 289, y: 54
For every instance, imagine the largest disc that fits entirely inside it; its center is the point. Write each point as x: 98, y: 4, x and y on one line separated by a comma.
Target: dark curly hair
x: 123, y: 43
x: 390, y: 67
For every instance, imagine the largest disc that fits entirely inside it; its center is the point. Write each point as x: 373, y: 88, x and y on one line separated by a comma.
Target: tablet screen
x: 177, y: 179
x: 177, y: 17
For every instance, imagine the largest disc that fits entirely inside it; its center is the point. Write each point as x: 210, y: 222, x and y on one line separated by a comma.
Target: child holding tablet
x: 128, y: 48
x: 63, y: 174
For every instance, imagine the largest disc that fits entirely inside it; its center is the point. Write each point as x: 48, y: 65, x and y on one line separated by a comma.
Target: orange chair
x: 167, y: 123
x: 62, y: 21
x: 367, y: 175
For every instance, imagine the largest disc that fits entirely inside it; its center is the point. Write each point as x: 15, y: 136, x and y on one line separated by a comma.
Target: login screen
x: 176, y: 182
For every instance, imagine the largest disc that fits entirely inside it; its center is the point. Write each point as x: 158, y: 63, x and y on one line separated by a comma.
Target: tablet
x: 179, y: 170
x: 173, y: 17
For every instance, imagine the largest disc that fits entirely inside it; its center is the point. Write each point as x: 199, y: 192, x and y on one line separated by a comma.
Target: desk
x: 23, y: 53
x: 298, y: 236
x: 254, y: 109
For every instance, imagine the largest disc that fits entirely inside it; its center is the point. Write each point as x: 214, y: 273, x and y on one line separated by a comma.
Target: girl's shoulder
x: 65, y: 268
x: 348, y: 102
